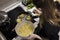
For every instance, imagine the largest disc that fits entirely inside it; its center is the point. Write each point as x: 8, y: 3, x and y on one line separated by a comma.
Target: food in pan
x: 21, y: 16
x: 25, y: 29
x: 28, y: 17
x: 18, y: 20
x: 30, y: 6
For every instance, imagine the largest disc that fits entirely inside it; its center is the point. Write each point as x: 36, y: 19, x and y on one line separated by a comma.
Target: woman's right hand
x: 33, y: 36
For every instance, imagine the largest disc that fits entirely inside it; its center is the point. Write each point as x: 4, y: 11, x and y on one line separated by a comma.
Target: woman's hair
x: 48, y: 8
x: 38, y: 3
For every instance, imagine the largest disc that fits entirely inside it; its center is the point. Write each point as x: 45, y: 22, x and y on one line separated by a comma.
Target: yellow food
x: 25, y: 30
x: 18, y: 20
x: 28, y: 17
x: 21, y: 16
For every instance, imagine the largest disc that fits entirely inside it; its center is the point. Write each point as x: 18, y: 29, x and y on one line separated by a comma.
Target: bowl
x: 29, y: 25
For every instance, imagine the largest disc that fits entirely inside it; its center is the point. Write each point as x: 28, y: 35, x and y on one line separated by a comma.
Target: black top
x: 49, y: 31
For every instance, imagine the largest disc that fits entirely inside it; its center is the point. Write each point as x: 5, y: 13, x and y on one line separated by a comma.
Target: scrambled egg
x: 21, y: 16
x: 25, y: 30
x: 28, y: 17
x: 18, y: 20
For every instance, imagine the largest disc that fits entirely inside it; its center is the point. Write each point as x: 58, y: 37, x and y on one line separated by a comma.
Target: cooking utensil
x: 2, y: 37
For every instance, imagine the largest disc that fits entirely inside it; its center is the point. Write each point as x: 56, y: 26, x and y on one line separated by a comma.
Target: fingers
x: 37, y: 11
x: 32, y: 36
x: 36, y: 36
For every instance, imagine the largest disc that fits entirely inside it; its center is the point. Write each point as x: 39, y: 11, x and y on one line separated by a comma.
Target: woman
x: 49, y: 19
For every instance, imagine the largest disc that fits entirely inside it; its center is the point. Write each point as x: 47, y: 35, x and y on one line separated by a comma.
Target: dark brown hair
x: 48, y: 8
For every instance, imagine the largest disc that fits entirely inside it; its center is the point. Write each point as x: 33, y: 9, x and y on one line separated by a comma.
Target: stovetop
x: 7, y: 29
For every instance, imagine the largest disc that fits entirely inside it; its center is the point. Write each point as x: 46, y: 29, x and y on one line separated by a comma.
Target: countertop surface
x: 5, y: 3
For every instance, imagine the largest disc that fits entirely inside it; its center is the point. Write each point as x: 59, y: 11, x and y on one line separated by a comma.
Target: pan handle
x: 2, y: 37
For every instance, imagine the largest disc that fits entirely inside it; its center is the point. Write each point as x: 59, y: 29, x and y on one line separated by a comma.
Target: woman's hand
x: 38, y: 12
x: 33, y: 36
